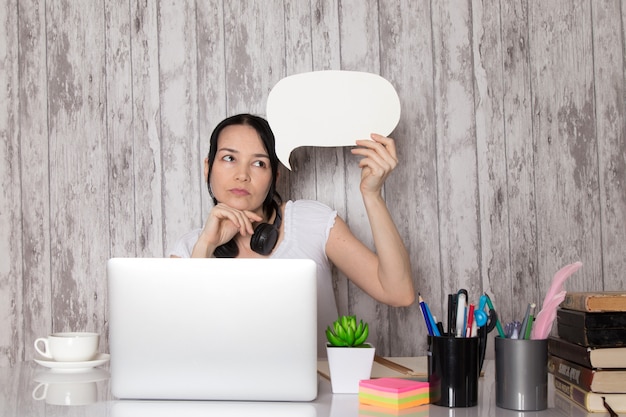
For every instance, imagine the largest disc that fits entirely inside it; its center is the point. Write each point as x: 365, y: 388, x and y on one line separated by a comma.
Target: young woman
x: 249, y: 218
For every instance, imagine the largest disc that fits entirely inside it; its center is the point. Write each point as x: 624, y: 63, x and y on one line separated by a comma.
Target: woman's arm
x: 386, y: 274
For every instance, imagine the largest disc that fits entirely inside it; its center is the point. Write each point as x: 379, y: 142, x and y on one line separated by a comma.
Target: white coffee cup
x: 69, y: 346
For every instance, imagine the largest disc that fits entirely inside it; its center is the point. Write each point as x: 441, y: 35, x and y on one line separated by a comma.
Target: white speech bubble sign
x: 330, y: 108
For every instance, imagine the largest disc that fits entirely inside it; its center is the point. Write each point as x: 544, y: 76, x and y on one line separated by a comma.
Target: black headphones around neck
x: 262, y: 241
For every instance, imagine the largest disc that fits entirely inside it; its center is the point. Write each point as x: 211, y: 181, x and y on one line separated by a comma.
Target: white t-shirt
x: 307, y: 224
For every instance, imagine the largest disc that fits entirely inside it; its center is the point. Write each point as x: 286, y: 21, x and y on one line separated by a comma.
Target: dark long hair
x: 273, y: 200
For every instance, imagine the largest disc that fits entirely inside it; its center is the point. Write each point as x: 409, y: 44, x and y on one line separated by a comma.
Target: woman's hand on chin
x: 222, y: 224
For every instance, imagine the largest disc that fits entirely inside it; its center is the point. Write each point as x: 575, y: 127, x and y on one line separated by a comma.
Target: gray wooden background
x: 512, y: 142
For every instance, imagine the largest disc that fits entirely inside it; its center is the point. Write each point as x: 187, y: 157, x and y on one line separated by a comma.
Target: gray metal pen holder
x: 521, y: 374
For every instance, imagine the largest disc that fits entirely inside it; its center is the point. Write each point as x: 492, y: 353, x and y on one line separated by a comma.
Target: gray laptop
x: 213, y: 329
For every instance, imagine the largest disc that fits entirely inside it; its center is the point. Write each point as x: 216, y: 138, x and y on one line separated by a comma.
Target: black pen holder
x: 453, y: 370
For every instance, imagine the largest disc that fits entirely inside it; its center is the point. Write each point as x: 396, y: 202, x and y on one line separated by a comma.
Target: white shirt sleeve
x: 184, y: 246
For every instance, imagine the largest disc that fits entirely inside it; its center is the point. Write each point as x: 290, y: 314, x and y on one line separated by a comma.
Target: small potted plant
x: 350, y: 358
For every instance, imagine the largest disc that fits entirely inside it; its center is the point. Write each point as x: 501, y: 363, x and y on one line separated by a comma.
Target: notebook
x: 213, y: 329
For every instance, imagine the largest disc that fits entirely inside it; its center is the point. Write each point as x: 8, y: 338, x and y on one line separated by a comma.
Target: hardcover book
x: 596, y: 380
x: 590, y: 401
x: 587, y: 320
x: 591, y: 357
x: 595, y: 301
x: 592, y: 337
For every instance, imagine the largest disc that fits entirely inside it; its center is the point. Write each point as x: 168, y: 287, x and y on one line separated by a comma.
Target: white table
x: 19, y: 383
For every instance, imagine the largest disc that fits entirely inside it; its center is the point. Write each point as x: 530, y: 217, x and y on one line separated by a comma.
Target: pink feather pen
x: 555, y: 295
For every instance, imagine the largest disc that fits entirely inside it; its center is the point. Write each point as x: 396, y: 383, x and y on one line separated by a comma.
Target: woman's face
x: 241, y: 175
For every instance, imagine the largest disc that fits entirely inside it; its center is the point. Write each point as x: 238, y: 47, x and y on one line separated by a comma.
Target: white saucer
x: 100, y: 359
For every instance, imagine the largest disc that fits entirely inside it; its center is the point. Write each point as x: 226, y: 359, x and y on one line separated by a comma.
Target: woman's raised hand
x: 379, y: 159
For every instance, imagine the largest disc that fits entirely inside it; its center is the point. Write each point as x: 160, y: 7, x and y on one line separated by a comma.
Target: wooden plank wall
x: 512, y: 142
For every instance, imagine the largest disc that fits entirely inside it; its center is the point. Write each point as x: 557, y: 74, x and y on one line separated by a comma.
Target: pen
x: 522, y: 334
x: 451, y: 313
x: 461, y: 300
x: 474, y: 329
x: 433, y: 324
x: 429, y: 327
x: 440, y: 328
x: 470, y: 321
x: 529, y: 324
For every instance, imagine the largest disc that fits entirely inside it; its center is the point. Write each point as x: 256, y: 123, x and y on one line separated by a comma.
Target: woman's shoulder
x: 309, y: 207
x: 310, y: 212
x: 307, y: 226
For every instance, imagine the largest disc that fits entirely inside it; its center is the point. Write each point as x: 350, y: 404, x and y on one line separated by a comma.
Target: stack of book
x: 588, y: 358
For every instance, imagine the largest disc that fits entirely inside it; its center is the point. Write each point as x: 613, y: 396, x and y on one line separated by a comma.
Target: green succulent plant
x: 346, y: 332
